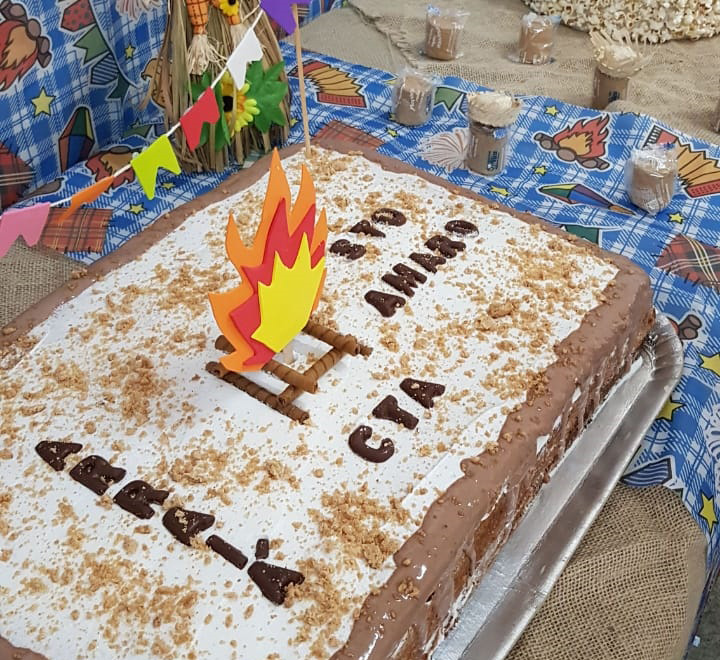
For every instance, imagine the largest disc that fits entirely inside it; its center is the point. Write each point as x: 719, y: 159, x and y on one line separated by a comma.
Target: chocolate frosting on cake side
x: 10, y: 652
x: 425, y: 563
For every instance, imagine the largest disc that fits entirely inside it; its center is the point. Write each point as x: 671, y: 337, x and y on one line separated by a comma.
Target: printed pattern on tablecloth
x: 79, y: 85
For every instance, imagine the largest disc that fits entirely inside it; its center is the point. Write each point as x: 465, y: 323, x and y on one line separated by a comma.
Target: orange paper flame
x: 586, y: 137
x: 282, y: 274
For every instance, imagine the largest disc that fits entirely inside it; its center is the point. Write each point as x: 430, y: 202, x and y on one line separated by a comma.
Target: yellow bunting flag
x: 146, y: 164
x: 85, y: 196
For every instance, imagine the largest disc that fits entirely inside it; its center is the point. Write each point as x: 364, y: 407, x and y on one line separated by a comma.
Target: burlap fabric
x: 28, y: 275
x: 680, y: 85
x: 632, y: 589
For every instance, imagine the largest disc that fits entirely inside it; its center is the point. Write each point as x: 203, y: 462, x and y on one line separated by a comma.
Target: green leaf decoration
x: 268, y: 91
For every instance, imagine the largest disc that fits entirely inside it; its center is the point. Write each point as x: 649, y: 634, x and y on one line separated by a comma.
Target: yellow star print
x: 167, y: 185
x: 711, y: 363
x: 392, y: 132
x: 500, y: 191
x: 676, y: 217
x: 137, y: 209
x: 551, y: 110
x: 540, y: 169
x: 293, y: 121
x: 707, y: 512
x: 42, y: 102
x: 129, y: 51
x: 669, y: 409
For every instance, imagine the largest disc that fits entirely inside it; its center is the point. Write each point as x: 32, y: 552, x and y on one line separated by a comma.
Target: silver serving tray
x: 526, y: 568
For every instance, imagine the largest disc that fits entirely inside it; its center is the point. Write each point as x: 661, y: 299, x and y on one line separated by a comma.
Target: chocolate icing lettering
x: 137, y: 496
x: 364, y: 227
x: 422, y: 391
x: 461, y: 227
x: 388, y: 409
x: 386, y: 216
x: 184, y: 524
x: 446, y: 246
x: 405, y: 279
x: 262, y: 549
x: 97, y: 474
x: 274, y: 580
x: 358, y: 443
x: 385, y: 303
x: 406, y: 271
x: 429, y: 262
x: 347, y: 249
x: 226, y: 551
x: 55, y: 453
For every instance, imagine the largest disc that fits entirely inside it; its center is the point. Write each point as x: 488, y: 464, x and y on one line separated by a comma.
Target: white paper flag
x: 248, y: 50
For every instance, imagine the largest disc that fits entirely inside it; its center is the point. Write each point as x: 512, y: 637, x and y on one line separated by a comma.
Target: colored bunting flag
x: 248, y: 50
x: 147, y: 163
x: 27, y: 222
x: 281, y: 12
x: 85, y: 196
x: 204, y: 111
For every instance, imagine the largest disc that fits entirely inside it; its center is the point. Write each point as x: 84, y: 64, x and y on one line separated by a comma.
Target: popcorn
x: 652, y: 21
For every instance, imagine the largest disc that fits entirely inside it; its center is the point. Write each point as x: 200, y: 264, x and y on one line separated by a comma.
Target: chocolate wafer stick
x: 315, y: 372
x: 223, y: 344
x: 277, y: 369
x: 256, y: 392
x: 290, y: 376
x: 345, y: 343
x: 324, y: 364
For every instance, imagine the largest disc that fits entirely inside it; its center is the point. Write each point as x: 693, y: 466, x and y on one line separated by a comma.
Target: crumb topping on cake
x: 118, y: 371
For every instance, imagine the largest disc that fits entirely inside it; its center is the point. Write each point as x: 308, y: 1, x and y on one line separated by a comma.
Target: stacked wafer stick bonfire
x: 259, y: 320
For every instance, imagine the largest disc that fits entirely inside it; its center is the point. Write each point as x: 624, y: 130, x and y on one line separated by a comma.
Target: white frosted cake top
x: 120, y: 369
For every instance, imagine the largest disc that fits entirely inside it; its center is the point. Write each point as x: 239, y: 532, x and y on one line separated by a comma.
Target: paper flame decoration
x: 282, y: 274
x: 586, y: 137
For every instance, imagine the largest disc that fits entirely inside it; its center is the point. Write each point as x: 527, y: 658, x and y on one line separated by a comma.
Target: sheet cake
x: 356, y: 534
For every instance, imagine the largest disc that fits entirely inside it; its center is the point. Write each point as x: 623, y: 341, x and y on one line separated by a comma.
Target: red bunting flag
x: 204, y: 111
x: 147, y: 163
x: 27, y: 222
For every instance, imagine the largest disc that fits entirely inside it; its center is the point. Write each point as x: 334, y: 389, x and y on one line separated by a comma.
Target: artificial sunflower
x: 245, y: 108
x: 229, y: 7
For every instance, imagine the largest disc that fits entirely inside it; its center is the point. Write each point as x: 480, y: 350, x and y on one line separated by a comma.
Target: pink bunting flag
x: 281, y: 12
x: 204, y: 111
x: 146, y: 164
x: 248, y: 50
x: 27, y: 222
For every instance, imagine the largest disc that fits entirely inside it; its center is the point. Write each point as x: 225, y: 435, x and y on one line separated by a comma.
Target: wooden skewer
x: 301, y: 80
